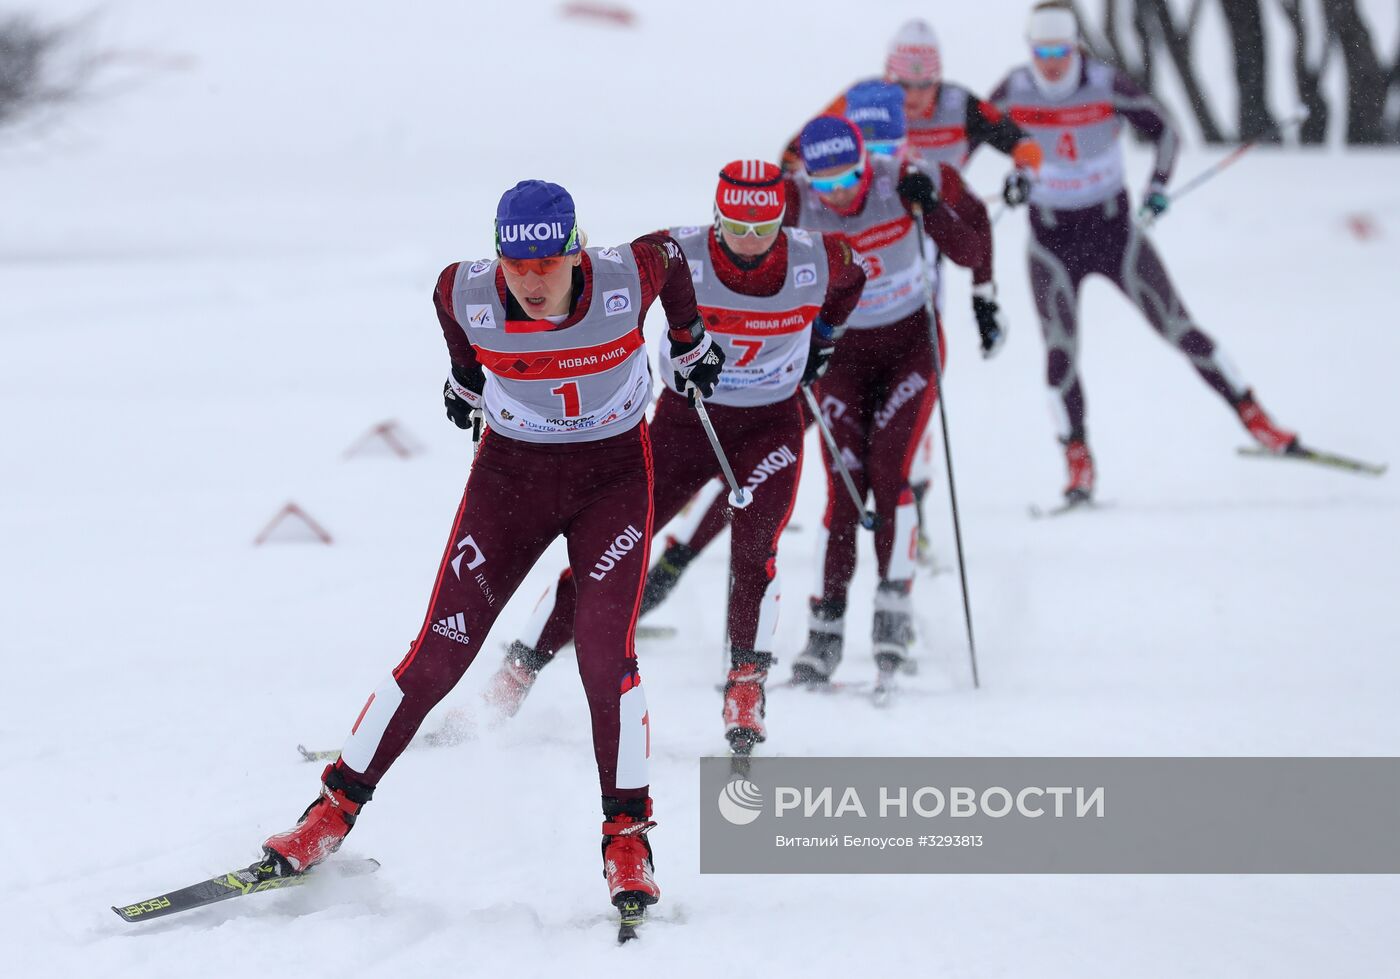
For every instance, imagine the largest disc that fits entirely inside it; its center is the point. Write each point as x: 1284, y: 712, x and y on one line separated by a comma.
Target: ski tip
x: 136, y: 913
x: 1303, y: 453
x: 1069, y: 506
x: 309, y: 755
x: 353, y: 867
x: 656, y: 632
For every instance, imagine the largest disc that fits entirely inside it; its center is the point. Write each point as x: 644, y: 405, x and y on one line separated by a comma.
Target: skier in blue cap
x: 545, y: 341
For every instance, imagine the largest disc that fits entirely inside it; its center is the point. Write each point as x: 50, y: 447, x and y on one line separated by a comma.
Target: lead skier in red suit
x: 546, y: 341
x: 777, y: 300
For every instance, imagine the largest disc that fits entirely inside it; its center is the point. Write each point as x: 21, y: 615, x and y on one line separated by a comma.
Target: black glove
x: 698, y: 361
x: 818, y: 360
x: 462, y: 393
x: 916, y: 188
x: 1017, y: 189
x: 990, y: 323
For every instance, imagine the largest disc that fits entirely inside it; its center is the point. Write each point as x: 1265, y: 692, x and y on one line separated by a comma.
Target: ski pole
x: 947, y: 445
x: 868, y: 519
x: 1230, y: 159
x: 738, y: 498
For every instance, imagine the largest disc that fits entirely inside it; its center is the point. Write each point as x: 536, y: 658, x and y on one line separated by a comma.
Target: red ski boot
x: 322, y: 828
x: 744, y: 700
x: 627, y: 853
x: 1081, y: 471
x: 1262, y: 427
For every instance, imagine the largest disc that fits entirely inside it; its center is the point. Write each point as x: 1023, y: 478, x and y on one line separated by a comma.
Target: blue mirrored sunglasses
x: 847, y: 178
x: 885, y: 147
x: 1052, y: 50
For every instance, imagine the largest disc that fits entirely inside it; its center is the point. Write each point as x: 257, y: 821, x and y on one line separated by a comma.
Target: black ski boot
x: 826, y: 627
x: 893, y: 628
x: 664, y: 574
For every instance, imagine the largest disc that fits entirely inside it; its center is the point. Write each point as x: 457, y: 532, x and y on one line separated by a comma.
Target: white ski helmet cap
x: 913, y: 55
x: 1052, y: 23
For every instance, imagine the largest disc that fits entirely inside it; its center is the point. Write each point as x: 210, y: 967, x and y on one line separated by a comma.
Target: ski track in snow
x: 213, y: 284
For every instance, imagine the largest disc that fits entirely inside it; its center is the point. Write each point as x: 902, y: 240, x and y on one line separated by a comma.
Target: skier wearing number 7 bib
x: 776, y: 299
x: 1081, y: 224
x: 545, y: 339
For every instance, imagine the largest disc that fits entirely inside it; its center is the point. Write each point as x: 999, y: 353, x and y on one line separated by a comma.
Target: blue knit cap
x: 535, y: 219
x: 877, y: 108
x: 830, y: 141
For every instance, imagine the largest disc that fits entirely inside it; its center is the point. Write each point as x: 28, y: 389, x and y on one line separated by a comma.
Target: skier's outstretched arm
x: 988, y: 124
x: 462, y: 392
x: 665, y: 274
x: 954, y: 218
x: 845, y: 282
x: 1146, y: 115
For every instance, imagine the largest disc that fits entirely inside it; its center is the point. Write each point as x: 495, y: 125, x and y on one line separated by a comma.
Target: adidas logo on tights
x: 454, y: 627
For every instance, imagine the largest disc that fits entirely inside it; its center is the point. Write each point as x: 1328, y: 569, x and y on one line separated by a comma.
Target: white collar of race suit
x: 1068, y: 82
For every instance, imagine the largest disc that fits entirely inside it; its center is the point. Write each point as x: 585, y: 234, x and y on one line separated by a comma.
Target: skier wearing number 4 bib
x: 546, y: 340
x: 776, y: 300
x: 1081, y: 224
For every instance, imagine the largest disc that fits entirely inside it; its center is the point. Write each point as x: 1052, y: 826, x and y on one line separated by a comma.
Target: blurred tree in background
x: 30, y: 80
x: 47, y: 66
x: 1137, y: 34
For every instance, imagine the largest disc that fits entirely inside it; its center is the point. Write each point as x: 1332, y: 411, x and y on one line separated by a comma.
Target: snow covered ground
x: 213, y: 284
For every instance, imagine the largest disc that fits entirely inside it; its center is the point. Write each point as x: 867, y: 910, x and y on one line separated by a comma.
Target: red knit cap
x: 751, y: 190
